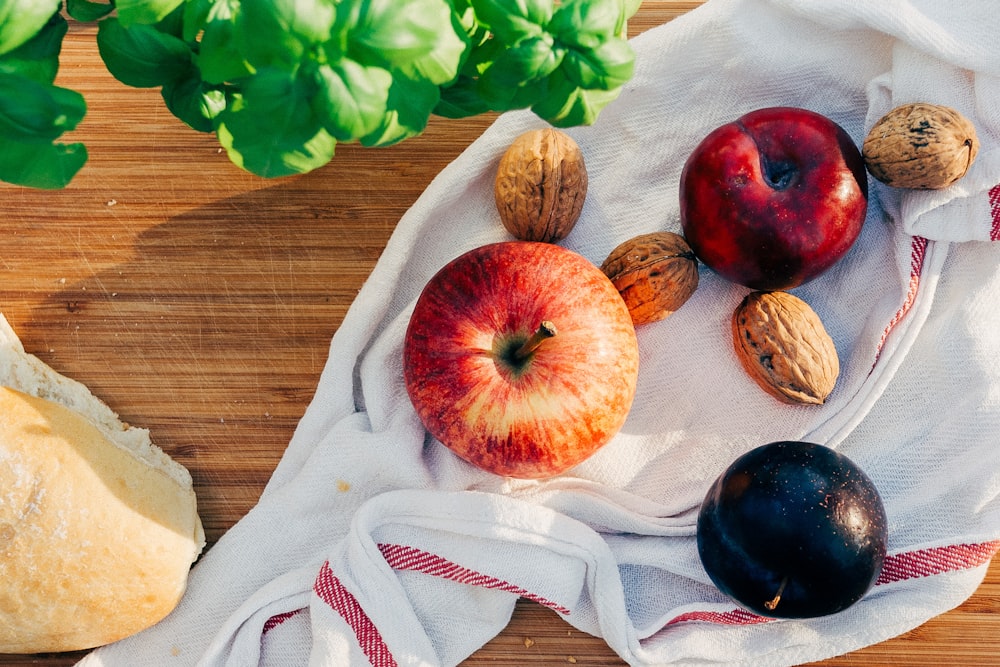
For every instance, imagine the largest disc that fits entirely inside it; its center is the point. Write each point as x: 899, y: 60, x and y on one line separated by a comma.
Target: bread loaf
x: 98, y: 526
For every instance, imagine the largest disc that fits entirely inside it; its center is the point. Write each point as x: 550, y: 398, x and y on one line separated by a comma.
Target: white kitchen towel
x: 374, y: 545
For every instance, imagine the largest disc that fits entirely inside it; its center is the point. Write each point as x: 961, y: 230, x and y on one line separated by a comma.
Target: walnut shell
x: 921, y: 146
x: 783, y: 346
x: 540, y: 186
x: 655, y: 274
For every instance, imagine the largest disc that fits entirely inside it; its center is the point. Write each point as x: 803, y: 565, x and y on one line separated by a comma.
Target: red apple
x: 521, y: 357
x: 775, y: 198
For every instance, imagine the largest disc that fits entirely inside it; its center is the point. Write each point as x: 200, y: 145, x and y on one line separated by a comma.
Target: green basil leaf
x: 513, y: 20
x: 45, y: 166
x: 280, y: 32
x: 511, y: 81
x: 194, y: 102
x: 351, y: 98
x: 531, y: 59
x: 465, y: 16
x: 38, y: 58
x: 172, y: 23
x: 407, y: 111
x: 461, y: 99
x: 606, y: 67
x: 31, y: 111
x: 196, y: 15
x: 563, y: 104
x: 628, y: 10
x: 418, y: 38
x: 85, y: 10
x: 503, y: 97
x: 269, y: 128
x: 586, y: 23
x: 219, y: 57
x: 144, y: 12
x: 20, y: 20
x: 481, y: 55
x: 140, y: 55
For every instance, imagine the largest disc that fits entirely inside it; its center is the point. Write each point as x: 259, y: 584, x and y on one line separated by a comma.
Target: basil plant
x: 281, y: 82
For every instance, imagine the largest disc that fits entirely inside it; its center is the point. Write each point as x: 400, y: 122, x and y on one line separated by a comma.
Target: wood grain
x: 199, y: 302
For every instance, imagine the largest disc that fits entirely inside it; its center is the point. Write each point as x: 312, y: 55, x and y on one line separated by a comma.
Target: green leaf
x: 531, y: 59
x: 38, y: 58
x: 279, y: 33
x: 628, y: 10
x: 20, y: 20
x: 219, y: 57
x: 144, y: 12
x: 513, y: 20
x: 461, y: 99
x: 481, y: 54
x: 563, y: 104
x: 46, y: 166
x: 269, y: 128
x: 587, y: 23
x: 465, y: 16
x: 196, y: 15
x: 351, y: 98
x: 85, y: 10
x: 172, y: 23
x: 140, y: 55
x: 31, y: 111
x: 606, y: 67
x: 507, y: 97
x: 417, y: 38
x: 194, y: 102
x: 407, y: 111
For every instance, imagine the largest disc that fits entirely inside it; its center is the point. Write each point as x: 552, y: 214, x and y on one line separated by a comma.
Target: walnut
x: 655, y: 274
x: 783, y: 346
x: 540, y: 186
x: 922, y: 146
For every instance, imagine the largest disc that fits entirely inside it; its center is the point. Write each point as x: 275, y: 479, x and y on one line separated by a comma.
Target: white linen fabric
x: 374, y: 545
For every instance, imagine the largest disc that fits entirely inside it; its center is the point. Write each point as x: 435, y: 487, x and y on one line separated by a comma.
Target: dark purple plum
x: 793, y: 530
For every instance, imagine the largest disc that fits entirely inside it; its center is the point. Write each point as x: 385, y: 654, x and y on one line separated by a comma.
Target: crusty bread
x: 98, y: 526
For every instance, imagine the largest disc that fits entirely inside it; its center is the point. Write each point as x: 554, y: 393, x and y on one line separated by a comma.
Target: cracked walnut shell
x: 655, y: 274
x: 783, y: 346
x: 540, y: 185
x: 921, y: 146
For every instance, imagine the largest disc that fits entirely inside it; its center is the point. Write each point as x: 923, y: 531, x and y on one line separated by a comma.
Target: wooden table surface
x: 199, y: 302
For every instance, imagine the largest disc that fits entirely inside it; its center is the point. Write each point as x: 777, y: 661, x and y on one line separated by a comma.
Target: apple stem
x: 545, y: 331
x: 773, y: 602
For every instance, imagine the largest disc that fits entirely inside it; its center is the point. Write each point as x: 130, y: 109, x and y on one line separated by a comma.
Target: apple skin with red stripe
x: 775, y: 198
x: 793, y: 530
x: 507, y: 400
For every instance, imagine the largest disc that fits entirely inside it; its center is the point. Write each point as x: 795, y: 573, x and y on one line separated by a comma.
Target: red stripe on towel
x: 918, y: 250
x: 898, y: 567
x: 402, y: 557
x: 928, y: 562
x: 329, y: 589
x: 731, y: 617
x: 994, y: 196
x: 278, y: 619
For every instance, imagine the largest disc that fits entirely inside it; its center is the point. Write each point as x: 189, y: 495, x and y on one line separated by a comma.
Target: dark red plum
x: 793, y: 530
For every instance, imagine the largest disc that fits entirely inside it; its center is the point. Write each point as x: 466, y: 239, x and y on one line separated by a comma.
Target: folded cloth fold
x: 374, y: 545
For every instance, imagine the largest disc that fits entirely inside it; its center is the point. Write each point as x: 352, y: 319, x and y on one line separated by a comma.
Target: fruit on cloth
x: 774, y: 198
x: 655, y: 273
x: 521, y: 357
x: 921, y: 146
x: 793, y: 530
x: 782, y: 344
x: 540, y: 186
